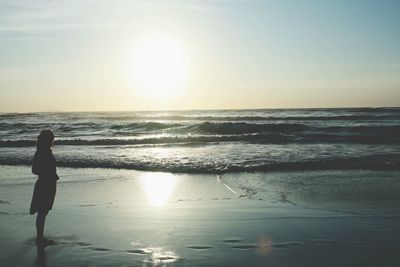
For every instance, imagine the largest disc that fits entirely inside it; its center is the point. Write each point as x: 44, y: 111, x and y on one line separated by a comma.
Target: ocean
x: 207, y: 188
x: 212, y: 141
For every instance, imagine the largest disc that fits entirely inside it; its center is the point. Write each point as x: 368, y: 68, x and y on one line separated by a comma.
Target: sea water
x: 212, y: 141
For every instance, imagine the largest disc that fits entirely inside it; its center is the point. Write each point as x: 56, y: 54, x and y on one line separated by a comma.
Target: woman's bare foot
x: 44, y: 242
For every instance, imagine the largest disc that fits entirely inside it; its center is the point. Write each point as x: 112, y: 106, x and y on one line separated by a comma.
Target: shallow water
x: 351, y: 191
x: 106, y: 217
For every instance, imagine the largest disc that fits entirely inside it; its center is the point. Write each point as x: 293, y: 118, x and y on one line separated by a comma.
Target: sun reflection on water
x: 158, y: 187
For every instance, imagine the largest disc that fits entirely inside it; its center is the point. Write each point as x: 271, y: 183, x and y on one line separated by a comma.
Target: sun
x: 158, y: 66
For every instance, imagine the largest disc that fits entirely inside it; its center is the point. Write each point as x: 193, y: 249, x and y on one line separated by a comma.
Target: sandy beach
x: 107, y: 217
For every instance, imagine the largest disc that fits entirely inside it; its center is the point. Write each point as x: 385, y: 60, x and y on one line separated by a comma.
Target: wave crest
x: 369, y: 162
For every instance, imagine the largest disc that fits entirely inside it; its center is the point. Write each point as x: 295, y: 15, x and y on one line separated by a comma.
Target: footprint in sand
x: 197, y: 247
x: 232, y: 241
x: 167, y: 258
x: 82, y: 244
x: 140, y: 251
x: 100, y: 249
x: 246, y: 246
x: 276, y: 245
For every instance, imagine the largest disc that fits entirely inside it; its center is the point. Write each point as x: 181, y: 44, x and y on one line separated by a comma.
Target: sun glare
x: 158, y: 66
x: 158, y: 187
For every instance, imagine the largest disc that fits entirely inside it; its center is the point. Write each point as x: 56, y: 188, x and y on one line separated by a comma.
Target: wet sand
x: 130, y: 218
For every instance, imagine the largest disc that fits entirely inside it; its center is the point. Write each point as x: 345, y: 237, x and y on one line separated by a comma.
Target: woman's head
x: 45, y: 140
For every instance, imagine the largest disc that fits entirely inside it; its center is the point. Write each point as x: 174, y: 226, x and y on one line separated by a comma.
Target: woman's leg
x: 40, y: 220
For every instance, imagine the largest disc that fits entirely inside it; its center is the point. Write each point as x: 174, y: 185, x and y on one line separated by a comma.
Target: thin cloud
x: 45, y: 16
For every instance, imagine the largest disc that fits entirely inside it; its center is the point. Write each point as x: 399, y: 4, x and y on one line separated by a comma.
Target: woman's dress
x: 44, y: 165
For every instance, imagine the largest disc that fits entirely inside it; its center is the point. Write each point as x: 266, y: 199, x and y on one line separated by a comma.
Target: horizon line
x: 205, y: 109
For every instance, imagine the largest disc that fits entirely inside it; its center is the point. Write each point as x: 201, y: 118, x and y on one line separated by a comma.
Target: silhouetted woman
x: 44, y: 165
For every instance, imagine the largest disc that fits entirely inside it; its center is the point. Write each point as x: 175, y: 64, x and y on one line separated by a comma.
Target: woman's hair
x: 45, y: 140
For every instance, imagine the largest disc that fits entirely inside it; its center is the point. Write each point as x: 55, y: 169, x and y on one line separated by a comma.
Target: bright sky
x: 82, y: 55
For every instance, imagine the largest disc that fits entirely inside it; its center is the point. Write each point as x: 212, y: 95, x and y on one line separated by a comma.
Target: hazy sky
x: 83, y: 55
